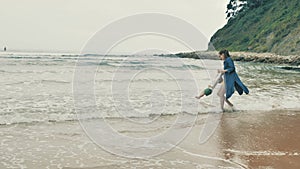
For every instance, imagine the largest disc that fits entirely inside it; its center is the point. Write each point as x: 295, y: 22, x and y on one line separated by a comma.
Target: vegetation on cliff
x: 261, y: 26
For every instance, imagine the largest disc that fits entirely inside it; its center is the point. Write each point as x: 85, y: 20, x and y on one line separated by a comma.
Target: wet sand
x: 262, y: 140
x: 254, y: 139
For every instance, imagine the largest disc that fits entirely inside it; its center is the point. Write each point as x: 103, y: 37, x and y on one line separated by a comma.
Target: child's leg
x: 200, y: 95
x: 221, y: 94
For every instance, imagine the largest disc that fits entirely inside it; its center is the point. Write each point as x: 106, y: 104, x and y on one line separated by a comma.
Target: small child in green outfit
x: 210, y: 88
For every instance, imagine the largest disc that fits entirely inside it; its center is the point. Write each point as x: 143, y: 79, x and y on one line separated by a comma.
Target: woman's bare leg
x: 222, y: 99
x: 221, y: 94
x: 228, y: 102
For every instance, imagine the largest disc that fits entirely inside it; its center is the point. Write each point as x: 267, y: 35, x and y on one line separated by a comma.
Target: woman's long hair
x: 225, y: 52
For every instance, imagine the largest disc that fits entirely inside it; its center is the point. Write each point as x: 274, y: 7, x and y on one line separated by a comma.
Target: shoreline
x: 206, y: 113
x: 241, y: 140
x: 293, y: 60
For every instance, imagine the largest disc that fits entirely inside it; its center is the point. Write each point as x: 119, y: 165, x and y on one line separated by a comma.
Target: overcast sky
x: 66, y: 25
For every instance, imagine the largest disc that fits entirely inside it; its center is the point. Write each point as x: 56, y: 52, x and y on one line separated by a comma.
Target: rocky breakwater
x: 293, y: 60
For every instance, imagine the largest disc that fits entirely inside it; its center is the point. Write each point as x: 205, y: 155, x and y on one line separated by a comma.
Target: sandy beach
x: 150, y: 84
x: 257, y: 139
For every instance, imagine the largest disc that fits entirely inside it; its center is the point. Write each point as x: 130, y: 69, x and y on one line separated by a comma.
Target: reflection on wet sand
x: 261, y: 140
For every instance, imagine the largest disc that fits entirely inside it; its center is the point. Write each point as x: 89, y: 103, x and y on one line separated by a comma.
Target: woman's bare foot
x: 222, y: 110
x: 233, y: 108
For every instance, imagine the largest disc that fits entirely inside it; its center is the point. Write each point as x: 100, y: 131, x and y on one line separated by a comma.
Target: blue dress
x: 232, y: 80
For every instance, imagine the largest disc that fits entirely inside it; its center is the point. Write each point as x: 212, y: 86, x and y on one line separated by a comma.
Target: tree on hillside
x: 236, y: 6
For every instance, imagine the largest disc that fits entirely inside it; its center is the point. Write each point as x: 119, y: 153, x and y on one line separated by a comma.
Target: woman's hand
x: 221, y: 71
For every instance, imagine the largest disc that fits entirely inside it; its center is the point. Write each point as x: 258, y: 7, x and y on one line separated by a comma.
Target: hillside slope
x: 272, y: 27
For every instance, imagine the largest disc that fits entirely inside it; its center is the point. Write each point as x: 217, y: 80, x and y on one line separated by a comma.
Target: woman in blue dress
x: 232, y: 81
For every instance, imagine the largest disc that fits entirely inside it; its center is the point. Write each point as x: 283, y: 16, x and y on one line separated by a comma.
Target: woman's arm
x: 229, y: 66
x: 222, y: 71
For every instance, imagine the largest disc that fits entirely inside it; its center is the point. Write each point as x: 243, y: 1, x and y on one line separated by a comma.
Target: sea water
x: 38, y: 87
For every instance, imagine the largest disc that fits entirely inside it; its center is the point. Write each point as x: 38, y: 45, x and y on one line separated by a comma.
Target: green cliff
x: 273, y: 26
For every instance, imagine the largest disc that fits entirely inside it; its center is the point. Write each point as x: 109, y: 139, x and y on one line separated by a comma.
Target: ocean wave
x: 54, y: 81
x: 129, y: 81
x: 91, y: 59
x: 74, y: 117
x: 38, y: 82
x: 291, y: 68
x: 140, y: 66
x: 34, y: 71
